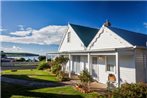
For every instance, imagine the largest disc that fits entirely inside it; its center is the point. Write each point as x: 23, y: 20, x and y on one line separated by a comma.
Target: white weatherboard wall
x: 141, y: 65
x: 127, y: 69
x: 106, y: 39
x: 74, y: 44
x: 83, y: 62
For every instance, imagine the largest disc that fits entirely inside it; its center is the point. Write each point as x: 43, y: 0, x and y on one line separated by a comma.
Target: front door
x: 76, y: 64
x: 95, y: 68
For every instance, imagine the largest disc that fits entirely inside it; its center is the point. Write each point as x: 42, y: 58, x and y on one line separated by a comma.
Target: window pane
x: 94, y: 60
x: 110, y: 63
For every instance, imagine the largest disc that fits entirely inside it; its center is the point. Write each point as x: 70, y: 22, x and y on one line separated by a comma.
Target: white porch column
x: 69, y: 65
x: 89, y: 69
x: 46, y: 57
x: 117, y: 69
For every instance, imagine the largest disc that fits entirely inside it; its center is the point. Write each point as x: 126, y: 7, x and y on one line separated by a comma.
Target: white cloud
x: 145, y: 24
x: 21, y: 27
x: 21, y: 33
x: 28, y: 28
x: 47, y: 35
x: 2, y: 30
x: 12, y: 49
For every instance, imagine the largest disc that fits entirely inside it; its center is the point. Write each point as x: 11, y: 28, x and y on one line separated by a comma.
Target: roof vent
x: 107, y: 23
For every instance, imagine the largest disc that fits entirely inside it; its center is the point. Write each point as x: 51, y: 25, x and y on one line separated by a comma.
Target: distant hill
x: 20, y: 54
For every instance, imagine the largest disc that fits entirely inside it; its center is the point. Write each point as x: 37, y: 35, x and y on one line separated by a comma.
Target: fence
x: 18, y: 63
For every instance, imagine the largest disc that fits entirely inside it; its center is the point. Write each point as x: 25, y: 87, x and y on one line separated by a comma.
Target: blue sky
x: 33, y: 26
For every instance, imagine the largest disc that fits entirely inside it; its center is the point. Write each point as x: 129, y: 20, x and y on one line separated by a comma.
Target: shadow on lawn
x: 7, y: 90
x: 29, y: 77
x: 31, y: 82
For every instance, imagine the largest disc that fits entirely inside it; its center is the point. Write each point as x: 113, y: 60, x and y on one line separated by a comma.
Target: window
x: 94, y: 60
x: 76, y: 64
x: 68, y: 37
x: 110, y: 67
x: 110, y: 63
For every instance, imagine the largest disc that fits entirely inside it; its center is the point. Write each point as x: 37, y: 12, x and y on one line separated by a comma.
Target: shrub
x: 134, y: 90
x: 41, y: 58
x: 85, y: 78
x: 42, y: 65
x: 57, y: 64
x: 61, y: 60
x: 55, y: 69
x: 62, y: 76
x: 20, y: 60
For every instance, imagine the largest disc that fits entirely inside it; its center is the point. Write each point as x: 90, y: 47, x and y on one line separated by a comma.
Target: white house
x: 105, y: 51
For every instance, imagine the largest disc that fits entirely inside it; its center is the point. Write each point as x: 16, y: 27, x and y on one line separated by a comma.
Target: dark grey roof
x: 136, y: 39
x: 86, y: 34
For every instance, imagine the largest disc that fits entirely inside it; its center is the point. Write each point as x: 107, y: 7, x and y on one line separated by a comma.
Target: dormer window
x: 68, y: 37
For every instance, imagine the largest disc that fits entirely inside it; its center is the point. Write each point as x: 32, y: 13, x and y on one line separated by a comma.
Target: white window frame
x: 106, y: 62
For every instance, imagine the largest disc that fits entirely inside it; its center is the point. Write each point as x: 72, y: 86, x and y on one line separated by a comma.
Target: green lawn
x: 17, y: 91
x: 33, y: 75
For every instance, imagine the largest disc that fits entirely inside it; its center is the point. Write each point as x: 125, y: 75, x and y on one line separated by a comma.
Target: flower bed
x: 82, y: 89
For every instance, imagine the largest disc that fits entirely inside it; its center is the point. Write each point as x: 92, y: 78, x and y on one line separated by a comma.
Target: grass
x: 33, y: 75
x: 17, y: 91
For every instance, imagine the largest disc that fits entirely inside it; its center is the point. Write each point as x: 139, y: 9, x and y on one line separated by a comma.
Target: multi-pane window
x: 110, y: 63
x: 68, y: 37
x: 76, y: 64
x: 94, y: 60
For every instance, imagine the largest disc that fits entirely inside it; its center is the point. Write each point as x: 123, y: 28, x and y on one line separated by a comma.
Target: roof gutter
x: 139, y: 47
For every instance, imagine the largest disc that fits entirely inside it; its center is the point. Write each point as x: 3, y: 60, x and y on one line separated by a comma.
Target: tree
x: 3, y: 55
x: 21, y: 60
x: 28, y: 60
x: 41, y: 58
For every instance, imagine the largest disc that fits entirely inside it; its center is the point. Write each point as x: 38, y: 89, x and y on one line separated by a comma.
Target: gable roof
x: 136, y: 39
x: 86, y: 34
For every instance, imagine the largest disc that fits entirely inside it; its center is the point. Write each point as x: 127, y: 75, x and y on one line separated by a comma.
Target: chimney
x: 107, y: 23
